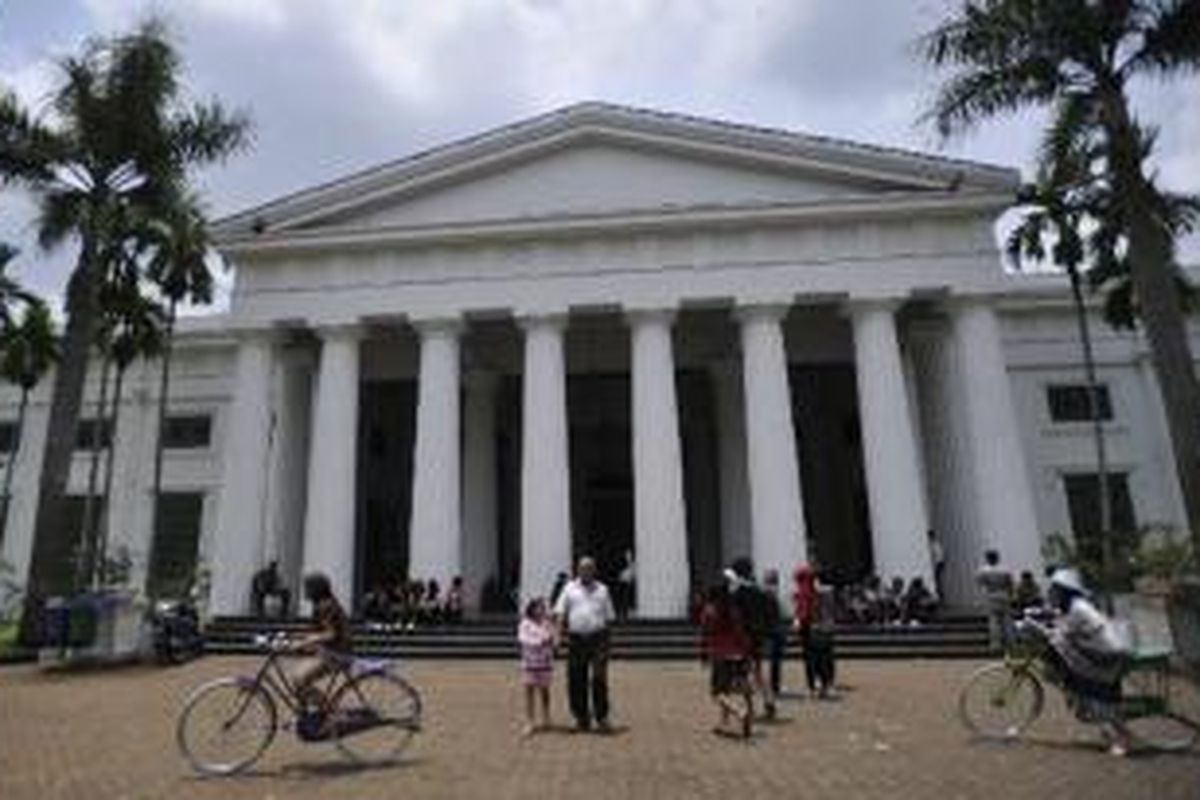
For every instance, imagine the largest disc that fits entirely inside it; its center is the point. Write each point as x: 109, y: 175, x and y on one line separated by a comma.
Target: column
x: 435, y: 529
x: 899, y: 520
x: 17, y: 547
x: 1002, y: 495
x: 289, y: 467
x: 237, y: 547
x: 1159, y: 455
x: 545, y: 478
x: 329, y: 532
x: 660, y: 526
x: 480, y: 551
x: 950, y: 489
x: 777, y: 533
x: 731, y: 443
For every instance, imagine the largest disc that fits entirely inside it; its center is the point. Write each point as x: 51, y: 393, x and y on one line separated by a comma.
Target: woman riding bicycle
x: 1088, y: 654
x: 329, y: 645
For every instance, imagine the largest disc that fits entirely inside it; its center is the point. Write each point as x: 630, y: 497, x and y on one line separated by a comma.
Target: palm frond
x: 27, y: 148
x: 1171, y: 40
x: 209, y: 132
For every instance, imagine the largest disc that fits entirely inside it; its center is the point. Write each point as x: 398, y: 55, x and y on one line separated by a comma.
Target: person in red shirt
x: 726, y: 646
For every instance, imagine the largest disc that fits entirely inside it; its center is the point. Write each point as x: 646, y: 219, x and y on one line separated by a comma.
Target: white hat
x: 1069, y: 579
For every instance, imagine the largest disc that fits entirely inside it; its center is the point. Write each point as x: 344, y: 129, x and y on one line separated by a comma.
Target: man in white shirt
x: 583, y: 611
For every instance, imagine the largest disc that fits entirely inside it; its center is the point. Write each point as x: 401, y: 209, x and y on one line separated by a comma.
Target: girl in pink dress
x: 536, y: 635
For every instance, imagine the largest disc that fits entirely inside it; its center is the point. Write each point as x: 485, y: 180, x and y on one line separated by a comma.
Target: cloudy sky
x: 338, y: 85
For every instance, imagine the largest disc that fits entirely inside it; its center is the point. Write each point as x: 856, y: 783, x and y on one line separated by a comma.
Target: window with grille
x: 1073, y: 403
x: 8, y: 437
x: 87, y: 430
x: 191, y: 432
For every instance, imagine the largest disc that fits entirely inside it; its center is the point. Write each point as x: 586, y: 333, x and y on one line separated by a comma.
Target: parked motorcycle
x: 175, y: 631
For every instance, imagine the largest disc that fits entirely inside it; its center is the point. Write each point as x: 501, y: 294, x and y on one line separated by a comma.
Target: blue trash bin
x: 55, y: 623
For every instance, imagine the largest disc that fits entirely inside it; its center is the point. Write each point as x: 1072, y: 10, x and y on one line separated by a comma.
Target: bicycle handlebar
x: 273, y: 642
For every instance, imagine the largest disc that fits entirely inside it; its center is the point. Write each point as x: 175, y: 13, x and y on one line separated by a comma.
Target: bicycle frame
x: 274, y: 679
x: 1154, y: 697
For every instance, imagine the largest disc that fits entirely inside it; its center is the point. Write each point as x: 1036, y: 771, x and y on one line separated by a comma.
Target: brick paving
x: 893, y: 735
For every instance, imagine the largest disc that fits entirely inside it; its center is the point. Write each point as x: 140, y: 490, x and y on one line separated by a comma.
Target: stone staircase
x: 495, y: 638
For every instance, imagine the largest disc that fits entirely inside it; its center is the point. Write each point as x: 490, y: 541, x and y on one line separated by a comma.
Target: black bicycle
x: 368, y: 711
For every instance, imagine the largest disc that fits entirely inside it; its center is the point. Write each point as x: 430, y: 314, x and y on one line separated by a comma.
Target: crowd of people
x: 745, y: 626
x: 407, y: 603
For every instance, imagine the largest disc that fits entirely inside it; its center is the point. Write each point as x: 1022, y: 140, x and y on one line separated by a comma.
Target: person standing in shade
x: 937, y: 557
x: 777, y: 630
x: 814, y: 620
x: 584, y: 610
x: 996, y: 582
x: 625, y: 585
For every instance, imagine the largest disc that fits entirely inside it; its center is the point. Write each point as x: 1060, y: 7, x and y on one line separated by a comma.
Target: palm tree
x: 138, y: 335
x: 178, y: 265
x: 30, y: 349
x: 119, y: 138
x: 1079, y: 56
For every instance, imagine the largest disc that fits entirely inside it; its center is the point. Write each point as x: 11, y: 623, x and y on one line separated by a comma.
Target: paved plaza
x: 893, y: 735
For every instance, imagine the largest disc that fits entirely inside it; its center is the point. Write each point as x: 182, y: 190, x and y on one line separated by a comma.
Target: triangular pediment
x: 597, y: 160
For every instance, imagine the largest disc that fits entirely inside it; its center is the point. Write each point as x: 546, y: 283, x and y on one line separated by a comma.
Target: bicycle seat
x: 366, y: 666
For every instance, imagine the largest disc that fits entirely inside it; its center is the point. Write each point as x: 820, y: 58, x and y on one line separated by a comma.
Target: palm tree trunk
x: 12, y: 459
x: 164, y: 381
x: 103, y: 531
x: 82, y: 321
x: 89, y: 562
x: 1089, y: 369
x: 1161, y: 307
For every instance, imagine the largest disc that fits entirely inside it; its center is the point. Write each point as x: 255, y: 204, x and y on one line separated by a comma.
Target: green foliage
x: 11, y: 593
x: 1165, y: 555
x: 29, y: 347
x: 1154, y: 551
x: 117, y: 568
x: 1076, y: 57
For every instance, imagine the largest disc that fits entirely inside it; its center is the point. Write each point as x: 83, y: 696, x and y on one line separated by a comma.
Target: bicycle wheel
x: 1000, y: 703
x: 1167, y: 732
x: 377, y: 716
x: 225, y: 726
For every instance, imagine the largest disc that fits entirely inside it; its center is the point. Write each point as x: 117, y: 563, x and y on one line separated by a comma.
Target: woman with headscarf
x: 814, y: 619
x: 1089, y: 655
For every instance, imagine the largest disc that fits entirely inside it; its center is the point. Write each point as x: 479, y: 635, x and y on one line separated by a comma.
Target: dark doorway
x: 836, y: 514
x: 173, y: 556
x: 387, y: 432
x: 601, y: 464
x: 1083, y: 504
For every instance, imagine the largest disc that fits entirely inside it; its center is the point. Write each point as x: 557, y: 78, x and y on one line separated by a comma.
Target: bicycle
x: 1001, y: 700
x: 370, y: 713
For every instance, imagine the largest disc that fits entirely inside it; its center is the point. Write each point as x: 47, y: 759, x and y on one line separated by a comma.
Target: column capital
x: 958, y: 303
x: 255, y: 334
x: 438, y: 325
x: 767, y: 311
x: 859, y: 306
x: 527, y: 321
x: 650, y: 315
x: 339, y: 332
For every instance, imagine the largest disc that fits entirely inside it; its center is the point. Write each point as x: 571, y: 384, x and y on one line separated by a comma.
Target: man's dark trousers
x: 587, y: 663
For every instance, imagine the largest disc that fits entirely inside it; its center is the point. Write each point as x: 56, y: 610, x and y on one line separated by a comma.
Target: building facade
x: 619, y: 332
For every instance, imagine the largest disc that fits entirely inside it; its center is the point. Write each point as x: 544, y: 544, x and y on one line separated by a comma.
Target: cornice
x: 568, y: 226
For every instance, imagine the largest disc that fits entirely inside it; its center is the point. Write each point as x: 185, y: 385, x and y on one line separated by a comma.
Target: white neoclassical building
x: 608, y: 330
